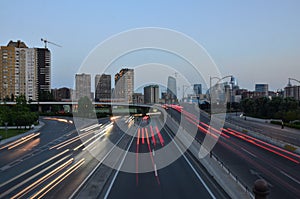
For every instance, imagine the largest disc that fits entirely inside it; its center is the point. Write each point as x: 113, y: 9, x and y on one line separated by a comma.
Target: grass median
x: 11, y: 132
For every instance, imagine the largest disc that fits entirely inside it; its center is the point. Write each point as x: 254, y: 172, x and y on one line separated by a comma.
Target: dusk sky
x: 256, y: 41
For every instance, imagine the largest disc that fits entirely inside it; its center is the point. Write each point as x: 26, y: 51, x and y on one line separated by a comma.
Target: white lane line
x: 117, y: 172
x: 290, y: 177
x: 95, y: 168
x: 194, y: 170
x: 153, y: 153
x: 155, y: 170
x: 249, y: 152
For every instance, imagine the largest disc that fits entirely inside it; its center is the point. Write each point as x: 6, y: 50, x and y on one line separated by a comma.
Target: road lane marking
x: 194, y: 170
x: 96, y: 167
x: 118, y: 170
x: 155, y: 170
x: 249, y: 152
x: 290, y: 177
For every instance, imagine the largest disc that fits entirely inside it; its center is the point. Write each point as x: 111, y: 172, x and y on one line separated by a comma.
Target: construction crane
x: 49, y: 42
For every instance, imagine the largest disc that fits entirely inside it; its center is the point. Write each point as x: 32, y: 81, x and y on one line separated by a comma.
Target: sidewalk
x: 35, y: 129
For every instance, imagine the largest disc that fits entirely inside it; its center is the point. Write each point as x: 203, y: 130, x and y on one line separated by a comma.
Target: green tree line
x: 287, y: 109
x: 18, y: 115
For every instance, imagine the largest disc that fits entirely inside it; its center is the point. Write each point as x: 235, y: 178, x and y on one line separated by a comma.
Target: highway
x: 249, y: 158
x: 181, y: 179
x: 289, y: 135
x: 62, y: 162
x: 54, y: 163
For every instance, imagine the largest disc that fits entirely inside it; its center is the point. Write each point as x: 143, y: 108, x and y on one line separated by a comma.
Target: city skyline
x: 258, y: 42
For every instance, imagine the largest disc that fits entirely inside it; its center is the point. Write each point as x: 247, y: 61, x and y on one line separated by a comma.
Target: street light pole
x: 184, y: 88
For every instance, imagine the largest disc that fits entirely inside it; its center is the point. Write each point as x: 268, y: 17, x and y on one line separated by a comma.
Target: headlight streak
x: 99, y: 135
x: 23, y: 141
x: 33, y: 168
x: 44, y: 178
x: 69, y: 141
x: 58, y: 180
x: 19, y: 140
x: 58, y: 119
x: 91, y: 127
x: 27, y: 189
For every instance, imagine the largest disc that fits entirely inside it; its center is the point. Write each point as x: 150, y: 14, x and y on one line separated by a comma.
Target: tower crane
x: 49, y: 42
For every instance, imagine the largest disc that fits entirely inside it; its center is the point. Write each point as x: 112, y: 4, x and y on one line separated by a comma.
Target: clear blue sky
x: 256, y: 41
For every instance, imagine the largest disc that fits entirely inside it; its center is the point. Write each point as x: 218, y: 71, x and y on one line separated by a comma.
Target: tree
x: 85, y: 107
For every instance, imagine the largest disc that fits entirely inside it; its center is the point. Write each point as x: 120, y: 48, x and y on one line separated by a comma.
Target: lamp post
x: 210, y: 86
x: 184, y: 88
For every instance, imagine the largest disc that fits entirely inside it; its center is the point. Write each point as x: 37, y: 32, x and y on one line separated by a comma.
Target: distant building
x: 240, y: 91
x: 31, y: 75
x: 171, y: 90
x: 44, y: 69
x: 61, y: 94
x: 292, y: 91
x: 138, y: 98
x: 253, y: 95
x: 103, y: 88
x: 151, y: 94
x: 24, y: 71
x: 83, y: 86
x: 124, y: 85
x: 262, y: 88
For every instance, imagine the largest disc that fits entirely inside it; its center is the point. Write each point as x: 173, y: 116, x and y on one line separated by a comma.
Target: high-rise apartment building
x: 24, y: 71
x: 83, y: 86
x: 172, y: 90
x: 44, y: 69
x: 103, y: 88
x: 124, y: 85
x: 151, y: 94
x: 292, y: 91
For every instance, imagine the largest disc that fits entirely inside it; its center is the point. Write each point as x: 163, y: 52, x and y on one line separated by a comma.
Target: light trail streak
x: 41, y: 180
x: 91, y: 127
x: 159, y: 136
x: 99, y: 135
x: 203, y: 130
x: 266, y: 148
x: 58, y: 180
x: 23, y: 141
x: 33, y: 168
x: 19, y: 140
x: 71, y: 140
x: 275, y: 147
x: 32, y: 177
x: 152, y: 134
